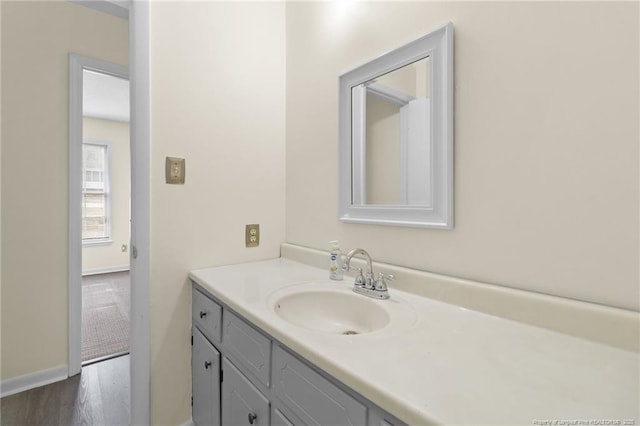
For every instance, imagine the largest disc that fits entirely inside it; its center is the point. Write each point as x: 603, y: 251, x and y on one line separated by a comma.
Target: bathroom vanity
x: 264, y: 353
x: 241, y: 375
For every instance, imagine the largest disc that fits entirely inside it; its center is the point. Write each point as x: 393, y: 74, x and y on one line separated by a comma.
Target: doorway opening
x: 99, y: 211
x: 105, y: 200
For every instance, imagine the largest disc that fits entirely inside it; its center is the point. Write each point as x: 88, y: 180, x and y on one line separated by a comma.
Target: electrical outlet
x: 174, y: 170
x: 252, y: 235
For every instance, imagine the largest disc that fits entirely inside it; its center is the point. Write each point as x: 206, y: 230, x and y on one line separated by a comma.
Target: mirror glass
x: 395, y: 154
x: 396, y: 136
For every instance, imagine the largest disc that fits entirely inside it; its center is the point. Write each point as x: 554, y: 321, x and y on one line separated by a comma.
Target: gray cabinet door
x: 205, y: 371
x: 311, y: 397
x: 242, y: 403
x: 377, y: 419
x: 279, y: 419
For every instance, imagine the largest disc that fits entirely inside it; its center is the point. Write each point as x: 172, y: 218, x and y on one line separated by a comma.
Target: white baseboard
x: 189, y: 423
x: 33, y: 380
x: 107, y: 270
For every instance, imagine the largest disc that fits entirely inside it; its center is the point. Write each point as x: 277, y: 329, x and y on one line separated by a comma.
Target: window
x: 96, y: 223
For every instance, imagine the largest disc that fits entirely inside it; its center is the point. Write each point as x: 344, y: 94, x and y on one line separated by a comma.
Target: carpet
x: 105, y: 315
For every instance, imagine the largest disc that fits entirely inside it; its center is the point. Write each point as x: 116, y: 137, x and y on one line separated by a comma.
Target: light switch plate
x: 252, y: 235
x: 174, y: 170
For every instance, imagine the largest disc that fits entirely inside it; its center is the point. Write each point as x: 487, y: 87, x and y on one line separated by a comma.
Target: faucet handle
x: 359, y: 278
x: 381, y: 283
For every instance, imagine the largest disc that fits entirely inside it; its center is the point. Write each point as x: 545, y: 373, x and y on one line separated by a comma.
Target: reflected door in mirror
x: 391, y: 136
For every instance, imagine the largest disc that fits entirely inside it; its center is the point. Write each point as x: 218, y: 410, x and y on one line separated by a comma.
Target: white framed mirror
x: 396, y: 136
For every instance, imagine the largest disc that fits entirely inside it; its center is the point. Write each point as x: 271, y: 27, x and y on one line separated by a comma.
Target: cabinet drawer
x: 242, y: 403
x: 207, y: 315
x: 312, y: 397
x: 251, y: 348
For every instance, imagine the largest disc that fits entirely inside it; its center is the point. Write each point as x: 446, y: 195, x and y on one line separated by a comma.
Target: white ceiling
x: 105, y: 96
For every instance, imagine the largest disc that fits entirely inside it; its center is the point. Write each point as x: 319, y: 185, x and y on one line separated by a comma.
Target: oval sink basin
x: 332, y: 312
x: 332, y: 307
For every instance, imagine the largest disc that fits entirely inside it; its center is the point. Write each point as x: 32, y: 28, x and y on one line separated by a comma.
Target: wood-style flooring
x: 97, y: 396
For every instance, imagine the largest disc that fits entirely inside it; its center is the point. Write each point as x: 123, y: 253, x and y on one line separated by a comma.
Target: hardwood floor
x: 97, y: 396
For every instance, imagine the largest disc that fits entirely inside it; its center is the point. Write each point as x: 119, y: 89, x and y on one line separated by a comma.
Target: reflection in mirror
x: 396, y: 136
x: 393, y: 142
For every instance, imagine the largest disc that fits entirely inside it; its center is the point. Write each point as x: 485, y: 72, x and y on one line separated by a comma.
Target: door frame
x: 77, y: 64
x: 140, y: 344
x: 138, y: 75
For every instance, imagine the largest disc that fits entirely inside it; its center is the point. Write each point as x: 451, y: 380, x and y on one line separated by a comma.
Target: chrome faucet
x: 366, y: 281
x: 366, y: 284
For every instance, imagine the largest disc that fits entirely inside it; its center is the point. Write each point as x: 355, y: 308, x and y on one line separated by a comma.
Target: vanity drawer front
x: 248, y: 346
x: 242, y: 403
x: 207, y: 315
x: 312, y: 397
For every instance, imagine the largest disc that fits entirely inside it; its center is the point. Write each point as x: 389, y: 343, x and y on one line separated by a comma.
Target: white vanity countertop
x: 454, y: 365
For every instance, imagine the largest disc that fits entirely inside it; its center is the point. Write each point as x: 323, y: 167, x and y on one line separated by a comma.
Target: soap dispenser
x: 335, y: 269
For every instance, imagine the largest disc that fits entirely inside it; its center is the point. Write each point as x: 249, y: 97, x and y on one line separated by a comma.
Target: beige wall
x: 102, y: 257
x: 546, y: 172
x: 217, y: 100
x: 36, y: 40
x: 404, y: 79
x: 383, y: 151
x: 1, y: 133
